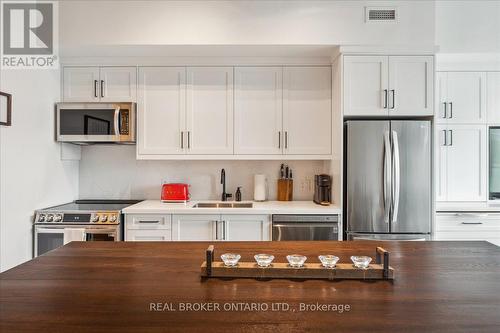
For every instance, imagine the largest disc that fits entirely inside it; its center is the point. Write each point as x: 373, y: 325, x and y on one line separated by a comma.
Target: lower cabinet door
x: 142, y: 235
x: 196, y: 227
x: 246, y: 227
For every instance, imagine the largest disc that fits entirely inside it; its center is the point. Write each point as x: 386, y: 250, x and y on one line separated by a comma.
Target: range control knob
x: 41, y: 218
x: 50, y: 218
x: 95, y: 219
x: 112, y: 218
x: 104, y: 218
x: 57, y: 218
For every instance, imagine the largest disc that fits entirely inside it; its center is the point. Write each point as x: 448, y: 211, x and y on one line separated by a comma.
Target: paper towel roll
x: 260, y: 188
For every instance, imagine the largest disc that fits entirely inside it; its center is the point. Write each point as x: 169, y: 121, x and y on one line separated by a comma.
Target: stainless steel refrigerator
x: 388, y: 179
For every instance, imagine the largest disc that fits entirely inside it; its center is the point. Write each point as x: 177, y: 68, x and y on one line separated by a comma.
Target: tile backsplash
x: 114, y: 172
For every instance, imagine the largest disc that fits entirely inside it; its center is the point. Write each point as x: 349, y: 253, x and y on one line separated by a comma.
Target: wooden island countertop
x: 144, y: 287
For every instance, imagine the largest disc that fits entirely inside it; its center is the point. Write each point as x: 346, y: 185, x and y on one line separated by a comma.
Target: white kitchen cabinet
x: 307, y: 110
x: 143, y: 235
x: 99, y: 84
x: 381, y: 86
x: 216, y: 227
x: 194, y: 227
x: 118, y: 84
x: 461, y: 98
x: 258, y: 110
x: 81, y: 84
x: 467, y: 226
x: 148, y: 227
x: 440, y: 164
x: 209, y: 115
x: 411, y: 87
x: 366, y: 85
x: 246, y: 227
x: 161, y: 111
x: 461, y: 163
x: 493, y: 79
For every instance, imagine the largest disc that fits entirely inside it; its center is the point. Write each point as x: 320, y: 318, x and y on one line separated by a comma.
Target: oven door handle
x: 117, y: 121
x: 100, y: 231
x: 49, y: 230
x: 305, y: 225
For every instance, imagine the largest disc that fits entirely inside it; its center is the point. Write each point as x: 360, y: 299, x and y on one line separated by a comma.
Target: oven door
x: 48, y: 238
x: 96, y: 122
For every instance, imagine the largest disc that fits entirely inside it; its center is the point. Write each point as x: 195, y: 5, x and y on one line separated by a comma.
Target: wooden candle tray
x: 378, y: 271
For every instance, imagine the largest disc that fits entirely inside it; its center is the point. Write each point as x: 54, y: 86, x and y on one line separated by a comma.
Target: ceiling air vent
x: 380, y: 14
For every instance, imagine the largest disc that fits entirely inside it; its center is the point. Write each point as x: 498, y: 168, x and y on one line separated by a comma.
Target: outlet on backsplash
x: 306, y: 184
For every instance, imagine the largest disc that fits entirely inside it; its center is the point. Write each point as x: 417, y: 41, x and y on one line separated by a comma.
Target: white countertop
x: 467, y: 207
x: 266, y: 207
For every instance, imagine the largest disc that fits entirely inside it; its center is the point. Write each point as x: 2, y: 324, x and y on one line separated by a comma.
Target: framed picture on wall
x: 5, y: 109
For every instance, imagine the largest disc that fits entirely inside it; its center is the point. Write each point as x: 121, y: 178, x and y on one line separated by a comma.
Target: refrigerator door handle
x: 387, y: 177
x: 396, y: 184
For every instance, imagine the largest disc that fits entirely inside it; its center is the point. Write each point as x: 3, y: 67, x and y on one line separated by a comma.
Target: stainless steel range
x: 81, y: 220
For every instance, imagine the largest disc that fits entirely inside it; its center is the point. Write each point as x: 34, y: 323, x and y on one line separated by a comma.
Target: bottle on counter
x: 238, y: 194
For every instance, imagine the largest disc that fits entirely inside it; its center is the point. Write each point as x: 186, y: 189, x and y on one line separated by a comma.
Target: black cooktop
x: 94, y: 205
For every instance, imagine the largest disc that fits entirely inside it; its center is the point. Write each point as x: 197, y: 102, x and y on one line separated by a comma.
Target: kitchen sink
x: 223, y: 205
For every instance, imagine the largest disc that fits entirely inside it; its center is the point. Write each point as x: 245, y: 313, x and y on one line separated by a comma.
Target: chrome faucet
x: 223, y: 182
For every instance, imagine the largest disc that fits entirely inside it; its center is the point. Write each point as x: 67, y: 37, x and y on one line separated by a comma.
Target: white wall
x: 471, y: 26
x: 84, y: 23
x: 32, y: 174
x: 114, y: 172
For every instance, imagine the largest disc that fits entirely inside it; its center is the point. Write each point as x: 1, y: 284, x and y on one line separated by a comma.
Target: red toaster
x: 175, y: 193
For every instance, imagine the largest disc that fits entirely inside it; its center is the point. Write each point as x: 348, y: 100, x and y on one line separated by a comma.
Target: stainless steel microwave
x: 86, y: 123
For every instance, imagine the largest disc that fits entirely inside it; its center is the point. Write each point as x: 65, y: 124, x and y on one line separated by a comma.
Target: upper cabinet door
x: 81, y: 84
x: 494, y: 97
x: 307, y: 110
x: 466, y: 97
x: 466, y: 163
x: 118, y: 84
x: 366, y: 86
x: 258, y: 110
x: 210, y: 110
x: 441, y: 107
x: 411, y: 85
x: 161, y: 110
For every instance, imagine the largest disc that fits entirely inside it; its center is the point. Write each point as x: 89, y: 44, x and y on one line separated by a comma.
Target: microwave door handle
x: 117, y: 121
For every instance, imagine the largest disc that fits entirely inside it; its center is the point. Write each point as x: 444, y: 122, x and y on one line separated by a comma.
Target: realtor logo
x: 28, y: 34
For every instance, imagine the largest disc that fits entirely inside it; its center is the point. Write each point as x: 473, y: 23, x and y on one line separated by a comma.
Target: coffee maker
x: 323, y: 189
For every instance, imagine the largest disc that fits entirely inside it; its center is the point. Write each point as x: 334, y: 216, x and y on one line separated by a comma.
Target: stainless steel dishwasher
x: 305, y: 227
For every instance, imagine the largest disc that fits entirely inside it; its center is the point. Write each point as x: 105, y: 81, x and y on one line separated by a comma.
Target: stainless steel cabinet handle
x: 149, y: 222
x: 182, y: 139
x: 95, y: 88
x: 445, y: 110
x: 386, y: 97
x: 472, y: 222
x: 286, y: 139
x: 189, y: 139
x: 393, y: 99
x: 451, y: 110
x: 279, y: 140
x: 102, y: 88
x: 387, y: 176
x: 224, y: 225
x: 396, y: 184
x: 445, y: 136
x: 451, y: 138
